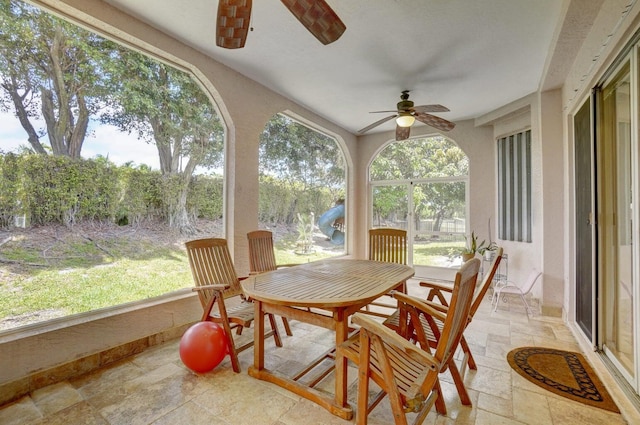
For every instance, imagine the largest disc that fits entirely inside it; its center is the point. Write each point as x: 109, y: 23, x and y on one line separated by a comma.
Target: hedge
x: 56, y: 189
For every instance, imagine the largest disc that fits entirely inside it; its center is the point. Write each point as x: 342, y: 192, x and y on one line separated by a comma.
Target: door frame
x: 630, y: 56
x: 410, y: 184
x: 585, y: 256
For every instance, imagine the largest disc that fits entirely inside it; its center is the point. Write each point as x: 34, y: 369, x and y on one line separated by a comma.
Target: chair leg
x: 363, y: 383
x: 287, y: 328
x: 469, y: 360
x: 526, y: 306
x: 497, y: 295
x: 441, y: 408
x: 457, y: 379
x: 276, y: 332
x: 233, y: 353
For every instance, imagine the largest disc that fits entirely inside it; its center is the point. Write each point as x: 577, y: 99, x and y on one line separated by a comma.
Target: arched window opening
x: 117, y: 158
x: 302, y: 191
x: 420, y: 185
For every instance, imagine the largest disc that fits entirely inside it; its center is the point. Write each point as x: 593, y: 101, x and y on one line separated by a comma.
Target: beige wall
x: 518, y: 116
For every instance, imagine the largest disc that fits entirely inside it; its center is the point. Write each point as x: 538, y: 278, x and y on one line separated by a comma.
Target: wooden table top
x: 327, y: 283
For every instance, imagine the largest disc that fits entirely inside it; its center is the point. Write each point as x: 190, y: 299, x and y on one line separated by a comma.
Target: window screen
x: 514, y: 187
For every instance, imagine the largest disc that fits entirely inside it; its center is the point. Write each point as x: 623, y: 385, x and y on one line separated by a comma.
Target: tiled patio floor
x: 154, y: 387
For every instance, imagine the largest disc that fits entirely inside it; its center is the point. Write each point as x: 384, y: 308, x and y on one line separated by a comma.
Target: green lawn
x: 74, y: 274
x: 59, y: 276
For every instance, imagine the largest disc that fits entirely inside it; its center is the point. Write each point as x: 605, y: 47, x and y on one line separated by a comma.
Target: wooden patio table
x: 323, y: 293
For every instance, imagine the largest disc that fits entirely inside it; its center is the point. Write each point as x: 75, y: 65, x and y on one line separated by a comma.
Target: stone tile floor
x: 154, y: 387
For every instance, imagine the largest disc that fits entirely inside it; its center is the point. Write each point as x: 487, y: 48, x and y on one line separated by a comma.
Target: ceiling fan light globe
x: 405, y: 120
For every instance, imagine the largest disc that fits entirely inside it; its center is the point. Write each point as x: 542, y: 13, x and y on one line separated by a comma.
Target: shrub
x: 9, y: 179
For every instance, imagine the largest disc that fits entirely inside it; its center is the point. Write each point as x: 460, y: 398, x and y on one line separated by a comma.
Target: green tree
x: 50, y: 70
x: 306, y: 161
x: 296, y: 153
x: 423, y: 158
x: 166, y: 107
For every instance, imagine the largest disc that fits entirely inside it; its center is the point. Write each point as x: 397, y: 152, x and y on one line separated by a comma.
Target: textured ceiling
x: 472, y: 56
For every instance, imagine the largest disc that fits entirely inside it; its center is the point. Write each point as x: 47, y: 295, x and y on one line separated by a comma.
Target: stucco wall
x: 41, y: 354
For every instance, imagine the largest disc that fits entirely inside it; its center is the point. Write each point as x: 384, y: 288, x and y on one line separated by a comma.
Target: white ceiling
x: 472, y: 56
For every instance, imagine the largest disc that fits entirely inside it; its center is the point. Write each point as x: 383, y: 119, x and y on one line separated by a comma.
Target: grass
x: 435, y: 253
x: 78, y: 285
x: 46, y: 275
x: 286, y: 252
x: 54, y: 271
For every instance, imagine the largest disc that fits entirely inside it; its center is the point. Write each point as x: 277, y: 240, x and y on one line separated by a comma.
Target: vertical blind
x: 514, y: 187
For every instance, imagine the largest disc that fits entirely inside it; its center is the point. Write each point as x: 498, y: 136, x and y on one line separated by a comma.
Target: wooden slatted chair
x: 409, y: 375
x: 441, y: 291
x: 217, y: 284
x: 388, y: 245
x: 262, y: 258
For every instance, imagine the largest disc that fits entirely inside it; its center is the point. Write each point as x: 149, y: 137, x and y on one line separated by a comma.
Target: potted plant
x: 487, y: 251
x: 472, y: 247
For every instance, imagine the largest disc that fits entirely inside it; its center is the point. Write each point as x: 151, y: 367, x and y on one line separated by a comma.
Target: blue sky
x: 105, y: 140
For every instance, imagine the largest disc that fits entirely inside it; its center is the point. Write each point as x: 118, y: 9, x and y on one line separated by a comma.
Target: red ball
x: 203, y: 346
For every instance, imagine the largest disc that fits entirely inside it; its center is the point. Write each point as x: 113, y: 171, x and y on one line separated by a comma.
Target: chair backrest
x: 211, y: 264
x: 262, y: 257
x: 531, y: 280
x: 486, y: 281
x: 388, y: 245
x: 458, y: 312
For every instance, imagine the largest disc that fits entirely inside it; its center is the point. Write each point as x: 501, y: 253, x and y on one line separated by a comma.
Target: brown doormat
x: 564, y: 373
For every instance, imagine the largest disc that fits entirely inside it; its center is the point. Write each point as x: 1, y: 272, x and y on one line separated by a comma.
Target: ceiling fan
x: 233, y: 19
x: 406, y: 114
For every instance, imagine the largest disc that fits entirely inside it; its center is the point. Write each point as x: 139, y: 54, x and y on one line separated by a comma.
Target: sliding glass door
x: 616, y: 165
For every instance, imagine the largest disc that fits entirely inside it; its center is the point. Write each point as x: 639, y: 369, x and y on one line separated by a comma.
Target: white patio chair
x: 506, y: 288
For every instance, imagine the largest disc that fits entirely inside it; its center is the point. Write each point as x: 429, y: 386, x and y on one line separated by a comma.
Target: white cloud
x: 120, y: 147
x: 105, y: 140
x: 12, y: 136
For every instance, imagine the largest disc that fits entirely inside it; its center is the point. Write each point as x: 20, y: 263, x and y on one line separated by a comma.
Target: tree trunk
x: 180, y: 216
x: 22, y: 114
x: 437, y: 224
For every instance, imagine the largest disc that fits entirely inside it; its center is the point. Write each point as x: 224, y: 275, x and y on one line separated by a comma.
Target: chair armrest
x: 441, y: 285
x: 392, y: 338
x: 505, y: 283
x: 437, y: 290
x: 216, y: 287
x: 419, y: 304
x: 441, y: 308
x: 444, y: 309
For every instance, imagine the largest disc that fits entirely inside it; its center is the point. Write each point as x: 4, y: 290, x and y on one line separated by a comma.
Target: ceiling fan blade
x: 435, y: 122
x: 377, y: 123
x: 318, y: 17
x: 232, y: 23
x: 402, y: 133
x: 431, y: 108
x: 379, y: 112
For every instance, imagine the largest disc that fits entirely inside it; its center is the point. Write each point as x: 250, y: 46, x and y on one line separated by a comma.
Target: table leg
x: 342, y: 333
x: 258, y: 336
